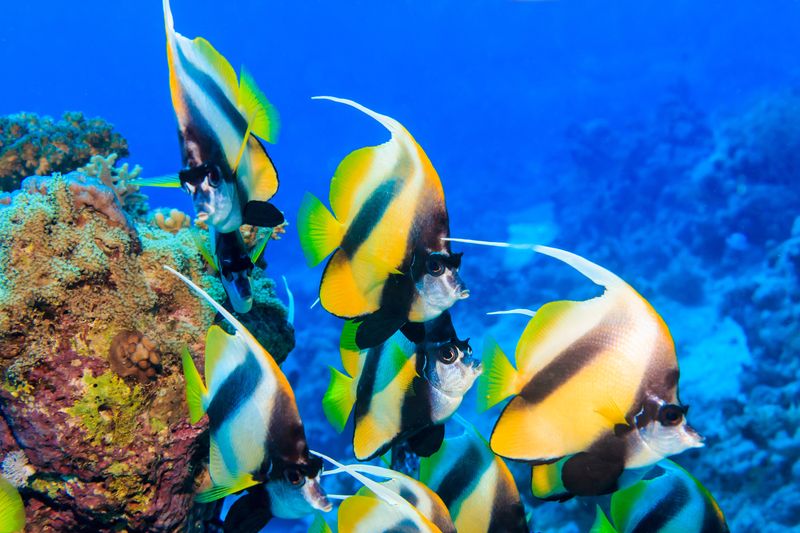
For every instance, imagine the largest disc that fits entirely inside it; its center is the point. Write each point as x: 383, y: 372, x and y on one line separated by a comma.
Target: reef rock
x: 95, y: 447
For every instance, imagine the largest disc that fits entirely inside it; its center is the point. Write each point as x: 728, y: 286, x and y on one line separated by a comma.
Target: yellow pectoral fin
x: 218, y: 492
x: 498, y: 380
x: 339, y: 399
x: 546, y: 481
x: 341, y: 293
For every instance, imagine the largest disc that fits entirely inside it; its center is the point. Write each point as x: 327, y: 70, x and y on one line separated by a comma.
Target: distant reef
x: 94, y: 427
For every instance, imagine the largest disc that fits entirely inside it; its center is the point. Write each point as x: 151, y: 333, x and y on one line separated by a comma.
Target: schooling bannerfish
x: 595, y: 390
x: 12, y: 509
x: 390, y: 264
x: 475, y: 485
x: 669, y: 501
x: 256, y: 432
x: 227, y: 170
x: 401, y: 390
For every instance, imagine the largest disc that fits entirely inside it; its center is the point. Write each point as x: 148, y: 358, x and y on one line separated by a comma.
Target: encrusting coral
x: 111, y: 449
x: 34, y: 145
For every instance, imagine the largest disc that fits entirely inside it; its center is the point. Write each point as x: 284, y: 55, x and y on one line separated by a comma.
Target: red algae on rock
x: 108, y: 451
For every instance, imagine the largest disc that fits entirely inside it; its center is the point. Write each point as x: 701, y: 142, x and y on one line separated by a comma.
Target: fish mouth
x: 315, y: 496
x: 463, y: 294
x: 695, y: 440
x: 202, y: 216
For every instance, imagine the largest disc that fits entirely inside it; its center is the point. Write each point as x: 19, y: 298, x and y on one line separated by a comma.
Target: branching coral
x: 30, y: 145
x: 172, y: 220
x: 118, y: 180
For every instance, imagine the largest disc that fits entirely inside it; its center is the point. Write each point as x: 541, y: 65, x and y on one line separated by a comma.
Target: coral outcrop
x: 82, y: 292
x: 34, y: 145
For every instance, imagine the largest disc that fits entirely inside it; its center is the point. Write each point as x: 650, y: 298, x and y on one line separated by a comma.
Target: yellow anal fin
x: 498, y: 380
x: 339, y: 399
x: 341, y: 294
x: 221, y: 491
x: 195, y: 390
x: 546, y: 482
x: 320, y: 233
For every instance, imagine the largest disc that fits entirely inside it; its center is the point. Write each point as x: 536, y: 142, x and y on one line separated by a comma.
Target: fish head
x: 664, y: 429
x: 214, y: 195
x: 450, y: 366
x: 439, y: 283
x: 295, y: 490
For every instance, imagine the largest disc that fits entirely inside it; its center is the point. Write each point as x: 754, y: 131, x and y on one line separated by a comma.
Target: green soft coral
x: 109, y: 410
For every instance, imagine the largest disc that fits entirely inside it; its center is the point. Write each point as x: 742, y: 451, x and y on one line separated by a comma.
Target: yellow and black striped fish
x: 670, y: 500
x: 400, y: 504
x: 256, y: 432
x: 227, y: 170
x: 476, y: 486
x: 390, y: 264
x: 596, y: 386
x: 401, y: 390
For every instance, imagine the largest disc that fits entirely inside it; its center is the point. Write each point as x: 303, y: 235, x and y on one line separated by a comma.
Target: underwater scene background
x: 658, y: 139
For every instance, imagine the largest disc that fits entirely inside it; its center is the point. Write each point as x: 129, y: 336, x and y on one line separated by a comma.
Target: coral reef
x: 133, y: 354
x: 80, y: 283
x: 30, y: 144
x: 118, y: 180
x: 172, y: 220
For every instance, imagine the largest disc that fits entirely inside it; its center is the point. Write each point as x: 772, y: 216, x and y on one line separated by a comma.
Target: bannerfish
x: 476, y: 485
x: 390, y: 265
x: 256, y: 434
x: 670, y: 501
x: 235, y: 266
x: 401, y: 390
x: 226, y: 168
x: 400, y: 503
x: 12, y: 509
x: 596, y: 386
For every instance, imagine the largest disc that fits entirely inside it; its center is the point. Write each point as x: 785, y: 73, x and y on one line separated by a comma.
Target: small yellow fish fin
x: 218, y: 492
x: 625, y: 502
x: 612, y: 413
x: 260, y: 114
x: 319, y: 525
x: 216, y: 464
x: 219, y: 66
x: 351, y: 360
x: 205, y: 251
x: 546, y: 481
x: 342, y: 294
x: 499, y: 377
x: 195, y: 390
x: 339, y: 399
x: 12, y: 509
x: 601, y: 523
x: 219, y: 342
x: 320, y: 233
x: 257, y: 172
x: 168, y: 180
x: 258, y: 250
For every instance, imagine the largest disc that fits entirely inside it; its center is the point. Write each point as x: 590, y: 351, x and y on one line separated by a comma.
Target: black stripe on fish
x: 366, y: 382
x: 369, y: 215
x: 462, y: 479
x: 665, y: 510
x: 286, y: 436
x: 711, y: 520
x: 508, y: 513
x: 214, y: 93
x: 237, y: 389
x: 565, y: 366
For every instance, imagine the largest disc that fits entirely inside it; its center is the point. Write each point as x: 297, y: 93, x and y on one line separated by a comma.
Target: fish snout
x: 693, y: 438
x: 315, y: 496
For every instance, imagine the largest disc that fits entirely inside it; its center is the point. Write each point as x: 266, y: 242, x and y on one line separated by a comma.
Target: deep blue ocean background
x: 660, y: 139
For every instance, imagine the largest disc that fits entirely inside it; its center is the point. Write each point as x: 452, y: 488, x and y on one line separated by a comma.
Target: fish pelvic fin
x: 261, y: 115
x: 499, y: 377
x: 218, y: 492
x: 546, y: 482
x: 601, y: 523
x: 339, y: 399
x: 320, y: 232
x: 195, y: 390
x: 12, y: 509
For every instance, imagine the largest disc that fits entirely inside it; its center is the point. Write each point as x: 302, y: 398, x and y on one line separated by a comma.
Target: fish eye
x: 434, y: 266
x: 448, y: 355
x: 670, y: 415
x: 293, y: 476
x: 213, y: 175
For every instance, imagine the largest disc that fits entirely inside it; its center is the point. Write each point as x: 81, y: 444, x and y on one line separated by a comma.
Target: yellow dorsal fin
x: 220, y: 67
x: 262, y: 117
x: 612, y: 412
x: 195, y: 390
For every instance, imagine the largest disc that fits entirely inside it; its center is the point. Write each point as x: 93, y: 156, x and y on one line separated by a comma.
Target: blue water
x: 518, y: 104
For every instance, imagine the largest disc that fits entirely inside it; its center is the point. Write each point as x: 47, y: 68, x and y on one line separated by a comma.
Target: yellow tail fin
x: 498, y: 379
x: 195, y: 390
x: 320, y: 233
x: 339, y: 399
